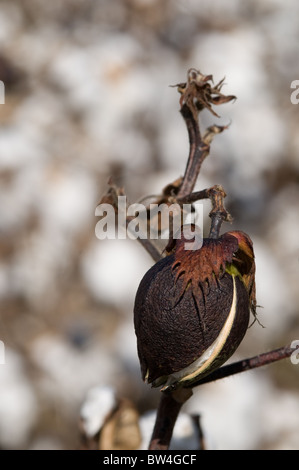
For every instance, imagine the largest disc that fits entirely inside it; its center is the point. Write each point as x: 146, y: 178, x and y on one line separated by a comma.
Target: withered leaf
x: 198, y: 94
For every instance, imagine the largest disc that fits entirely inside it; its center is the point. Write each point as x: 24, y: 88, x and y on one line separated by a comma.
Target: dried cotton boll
x: 192, y: 309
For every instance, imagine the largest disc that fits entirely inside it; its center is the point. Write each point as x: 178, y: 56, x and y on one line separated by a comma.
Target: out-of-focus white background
x: 87, y: 97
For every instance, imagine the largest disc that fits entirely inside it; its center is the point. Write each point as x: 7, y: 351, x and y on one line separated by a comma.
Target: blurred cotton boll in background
x: 88, y: 96
x: 102, y: 406
x: 113, y: 269
x: 99, y: 403
x: 18, y: 402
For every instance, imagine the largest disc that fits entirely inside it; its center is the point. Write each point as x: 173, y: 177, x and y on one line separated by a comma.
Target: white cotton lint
x: 98, y: 404
x: 18, y: 402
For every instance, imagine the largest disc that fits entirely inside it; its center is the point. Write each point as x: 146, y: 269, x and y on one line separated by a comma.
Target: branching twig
x: 147, y: 244
x: 111, y: 197
x: 218, y: 213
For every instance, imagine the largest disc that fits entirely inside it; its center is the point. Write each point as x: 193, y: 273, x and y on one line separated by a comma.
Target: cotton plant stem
x: 151, y: 249
x: 111, y: 197
x: 247, y: 364
x: 147, y: 244
x: 197, y: 94
x: 218, y: 213
x: 168, y: 410
x: 197, y: 154
x: 201, y: 436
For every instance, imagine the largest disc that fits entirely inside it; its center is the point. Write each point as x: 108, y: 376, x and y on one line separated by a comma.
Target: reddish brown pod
x: 192, y: 309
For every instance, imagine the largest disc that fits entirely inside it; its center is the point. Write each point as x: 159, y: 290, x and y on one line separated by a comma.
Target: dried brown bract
x: 199, y: 92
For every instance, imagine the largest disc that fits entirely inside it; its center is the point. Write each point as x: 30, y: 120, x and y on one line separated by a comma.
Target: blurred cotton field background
x: 87, y: 96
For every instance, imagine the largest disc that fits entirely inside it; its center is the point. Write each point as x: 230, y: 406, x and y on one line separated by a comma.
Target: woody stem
x: 218, y: 213
x: 199, y: 150
x: 248, y: 364
x: 168, y: 410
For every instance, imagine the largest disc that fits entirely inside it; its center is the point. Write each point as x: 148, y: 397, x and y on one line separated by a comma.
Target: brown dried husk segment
x: 181, y: 306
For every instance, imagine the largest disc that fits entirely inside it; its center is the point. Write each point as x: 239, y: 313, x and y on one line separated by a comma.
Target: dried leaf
x: 199, y: 94
x: 211, y: 132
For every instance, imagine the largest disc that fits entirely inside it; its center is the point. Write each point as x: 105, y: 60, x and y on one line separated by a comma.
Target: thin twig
x: 201, y: 437
x: 247, y: 364
x: 218, y: 213
x: 147, y: 244
x: 111, y: 197
x: 150, y: 248
x: 193, y: 197
x: 197, y: 154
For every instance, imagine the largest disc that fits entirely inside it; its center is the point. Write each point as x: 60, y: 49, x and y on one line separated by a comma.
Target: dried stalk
x: 247, y: 364
x: 168, y: 411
